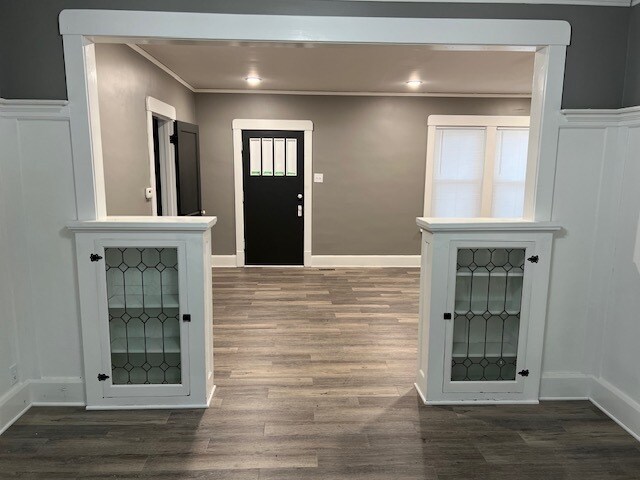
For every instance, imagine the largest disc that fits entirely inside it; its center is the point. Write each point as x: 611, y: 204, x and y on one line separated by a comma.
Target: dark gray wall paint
x: 632, y: 78
x: 31, y: 48
x: 125, y: 78
x: 371, y: 150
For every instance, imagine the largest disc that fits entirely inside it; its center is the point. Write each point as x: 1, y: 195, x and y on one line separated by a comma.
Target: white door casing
x: 167, y: 113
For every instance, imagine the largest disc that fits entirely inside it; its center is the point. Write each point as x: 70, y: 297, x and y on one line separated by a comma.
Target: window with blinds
x: 477, y: 171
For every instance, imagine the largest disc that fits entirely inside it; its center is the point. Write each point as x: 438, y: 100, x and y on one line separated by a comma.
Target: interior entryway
x: 273, y: 181
x: 314, y: 369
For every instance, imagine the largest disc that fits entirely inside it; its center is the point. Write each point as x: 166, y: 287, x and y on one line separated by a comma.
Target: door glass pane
x: 488, y: 298
x: 144, y: 326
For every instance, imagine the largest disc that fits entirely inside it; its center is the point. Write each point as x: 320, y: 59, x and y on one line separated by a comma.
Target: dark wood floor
x: 314, y: 371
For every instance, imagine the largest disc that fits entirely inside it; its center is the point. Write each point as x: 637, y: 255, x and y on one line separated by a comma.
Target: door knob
x: 299, y: 196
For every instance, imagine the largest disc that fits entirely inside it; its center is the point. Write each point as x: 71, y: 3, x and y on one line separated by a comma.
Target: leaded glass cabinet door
x: 143, y: 328
x: 489, y: 291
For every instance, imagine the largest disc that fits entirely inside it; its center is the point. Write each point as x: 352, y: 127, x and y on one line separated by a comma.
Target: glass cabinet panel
x: 488, y: 298
x: 143, y: 306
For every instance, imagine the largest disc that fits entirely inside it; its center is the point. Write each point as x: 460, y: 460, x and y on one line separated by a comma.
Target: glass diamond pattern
x: 488, y: 297
x: 144, y: 327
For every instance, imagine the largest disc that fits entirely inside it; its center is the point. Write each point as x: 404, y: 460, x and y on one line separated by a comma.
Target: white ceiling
x: 382, y: 69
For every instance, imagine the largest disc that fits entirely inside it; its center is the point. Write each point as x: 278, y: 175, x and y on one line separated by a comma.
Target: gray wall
x: 632, y: 79
x: 371, y: 151
x: 32, y: 62
x: 125, y: 78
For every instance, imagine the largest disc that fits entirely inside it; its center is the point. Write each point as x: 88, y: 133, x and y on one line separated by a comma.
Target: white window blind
x: 510, y: 169
x: 477, y: 166
x: 458, y: 172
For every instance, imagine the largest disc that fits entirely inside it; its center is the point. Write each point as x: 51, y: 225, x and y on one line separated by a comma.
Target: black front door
x: 273, y: 178
x: 186, y: 140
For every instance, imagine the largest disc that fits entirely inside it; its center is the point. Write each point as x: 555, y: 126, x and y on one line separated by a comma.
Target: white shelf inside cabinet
x: 477, y: 349
x: 137, y: 345
x: 150, y: 301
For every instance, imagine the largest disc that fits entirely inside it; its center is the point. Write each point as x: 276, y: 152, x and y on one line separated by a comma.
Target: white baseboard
x: 49, y: 391
x: 223, y: 261
x: 218, y: 261
x: 365, y: 260
x: 13, y: 405
x: 621, y: 408
x: 565, y: 386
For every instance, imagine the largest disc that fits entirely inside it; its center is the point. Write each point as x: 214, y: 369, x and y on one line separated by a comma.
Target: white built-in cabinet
x: 146, y: 311
x: 483, y: 303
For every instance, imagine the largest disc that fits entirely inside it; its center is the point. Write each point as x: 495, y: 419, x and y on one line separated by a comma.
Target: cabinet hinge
x: 94, y: 257
x: 173, y: 138
x: 102, y: 377
x: 533, y: 259
x: 186, y: 317
x: 524, y: 373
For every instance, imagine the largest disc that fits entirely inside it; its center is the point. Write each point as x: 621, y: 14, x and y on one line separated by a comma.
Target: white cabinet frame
x: 440, y: 240
x: 547, y: 38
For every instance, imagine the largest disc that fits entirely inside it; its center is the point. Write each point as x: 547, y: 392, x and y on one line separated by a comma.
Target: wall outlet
x: 13, y: 374
x: 318, y: 177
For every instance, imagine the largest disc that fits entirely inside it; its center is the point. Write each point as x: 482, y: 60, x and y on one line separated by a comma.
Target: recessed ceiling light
x: 414, y: 83
x: 253, y: 80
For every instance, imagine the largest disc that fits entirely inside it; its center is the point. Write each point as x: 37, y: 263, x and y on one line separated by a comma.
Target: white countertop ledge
x: 484, y: 225
x: 144, y: 224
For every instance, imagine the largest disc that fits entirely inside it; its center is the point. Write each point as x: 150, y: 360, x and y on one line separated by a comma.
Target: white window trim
x: 548, y: 38
x: 491, y: 123
x: 305, y: 126
x: 166, y: 112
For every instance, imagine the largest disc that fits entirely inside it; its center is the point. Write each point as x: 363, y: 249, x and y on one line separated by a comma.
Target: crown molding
x: 601, y: 117
x: 601, y: 3
x: 364, y: 94
x: 159, y: 64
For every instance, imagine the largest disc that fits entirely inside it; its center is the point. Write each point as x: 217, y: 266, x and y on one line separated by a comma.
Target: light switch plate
x: 318, y: 177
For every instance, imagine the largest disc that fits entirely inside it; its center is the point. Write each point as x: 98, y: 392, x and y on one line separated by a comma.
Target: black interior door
x: 273, y: 197
x: 186, y: 140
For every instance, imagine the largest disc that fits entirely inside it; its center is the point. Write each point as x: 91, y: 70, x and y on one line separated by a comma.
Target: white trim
x: 600, y: 118
x: 550, y: 38
x: 565, y: 386
x: 219, y: 261
x: 364, y: 94
x: 296, y: 28
x: 621, y: 408
x: 160, y: 65
x: 167, y: 113
x: 34, y: 109
x: 306, y: 126
x: 606, y: 3
x: 635, y: 2
x: 478, y: 120
x: 365, y: 260
x: 48, y: 391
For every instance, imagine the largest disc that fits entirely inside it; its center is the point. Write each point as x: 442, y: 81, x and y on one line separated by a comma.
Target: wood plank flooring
x: 315, y: 369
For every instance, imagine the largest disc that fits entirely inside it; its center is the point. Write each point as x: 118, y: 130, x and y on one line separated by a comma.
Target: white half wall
x: 39, y: 322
